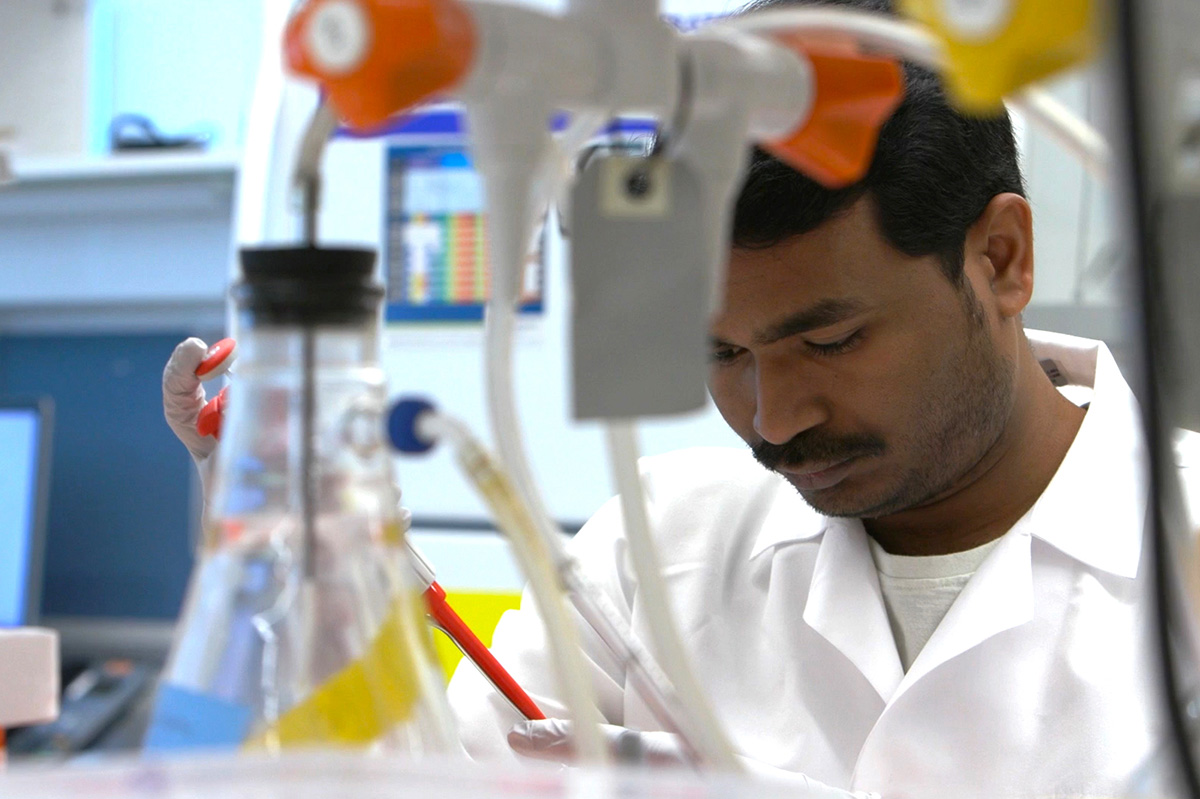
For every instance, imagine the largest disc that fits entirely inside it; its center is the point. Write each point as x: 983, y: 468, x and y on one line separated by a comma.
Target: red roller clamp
x: 451, y: 624
x: 208, y: 423
x: 217, y: 360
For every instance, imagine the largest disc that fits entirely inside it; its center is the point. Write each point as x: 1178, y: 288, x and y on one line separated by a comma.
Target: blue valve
x: 402, y: 426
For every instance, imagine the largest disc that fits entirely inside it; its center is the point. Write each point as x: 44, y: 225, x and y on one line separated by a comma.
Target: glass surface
x: 303, y: 624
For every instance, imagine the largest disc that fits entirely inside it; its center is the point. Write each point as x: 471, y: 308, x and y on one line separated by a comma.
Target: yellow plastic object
x: 995, y: 47
x: 365, y: 699
x: 481, y: 610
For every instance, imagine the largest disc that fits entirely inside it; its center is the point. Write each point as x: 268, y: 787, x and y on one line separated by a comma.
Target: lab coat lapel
x: 999, y: 597
x: 845, y: 606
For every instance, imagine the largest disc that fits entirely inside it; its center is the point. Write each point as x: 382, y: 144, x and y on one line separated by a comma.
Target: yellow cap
x: 995, y: 47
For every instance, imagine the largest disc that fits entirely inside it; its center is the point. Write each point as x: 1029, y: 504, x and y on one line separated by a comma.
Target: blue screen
x: 18, y: 493
x: 118, y: 522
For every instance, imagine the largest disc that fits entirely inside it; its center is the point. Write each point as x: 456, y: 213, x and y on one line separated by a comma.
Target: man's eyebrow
x: 823, y: 314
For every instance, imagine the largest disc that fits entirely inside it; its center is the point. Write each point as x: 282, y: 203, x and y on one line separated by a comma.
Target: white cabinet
x: 138, y: 239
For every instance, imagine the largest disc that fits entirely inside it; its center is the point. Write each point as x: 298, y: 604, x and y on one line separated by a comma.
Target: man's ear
x: 999, y: 251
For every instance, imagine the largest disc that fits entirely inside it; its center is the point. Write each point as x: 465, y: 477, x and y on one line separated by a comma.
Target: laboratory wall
x: 44, y: 81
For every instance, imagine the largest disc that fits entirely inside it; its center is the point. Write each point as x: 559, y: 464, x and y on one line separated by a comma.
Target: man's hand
x: 552, y: 740
x: 183, y: 397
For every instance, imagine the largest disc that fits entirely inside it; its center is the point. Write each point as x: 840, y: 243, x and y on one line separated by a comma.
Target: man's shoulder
x: 704, y: 467
x: 720, y: 499
x: 710, y: 508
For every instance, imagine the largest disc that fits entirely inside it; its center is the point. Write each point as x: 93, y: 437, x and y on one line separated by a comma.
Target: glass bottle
x: 303, y: 624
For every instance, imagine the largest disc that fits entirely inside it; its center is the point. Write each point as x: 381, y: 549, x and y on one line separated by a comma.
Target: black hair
x: 934, y: 172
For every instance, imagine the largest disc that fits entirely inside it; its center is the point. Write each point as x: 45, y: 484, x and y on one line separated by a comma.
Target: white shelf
x: 124, y: 166
x: 141, y: 230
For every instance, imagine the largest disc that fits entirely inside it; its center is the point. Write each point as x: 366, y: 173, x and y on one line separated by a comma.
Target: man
x: 936, y: 584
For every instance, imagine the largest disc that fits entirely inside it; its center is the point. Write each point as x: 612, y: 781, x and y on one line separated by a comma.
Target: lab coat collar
x: 1097, y: 496
x: 788, y: 522
x: 999, y: 597
x: 845, y: 606
x: 1094, y: 509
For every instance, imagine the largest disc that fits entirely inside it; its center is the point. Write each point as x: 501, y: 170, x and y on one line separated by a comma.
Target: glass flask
x: 303, y: 623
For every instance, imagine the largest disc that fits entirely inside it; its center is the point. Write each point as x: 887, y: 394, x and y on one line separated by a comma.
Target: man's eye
x: 724, y: 355
x: 836, y: 347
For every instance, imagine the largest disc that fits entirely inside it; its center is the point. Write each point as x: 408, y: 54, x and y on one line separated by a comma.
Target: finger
x: 183, y: 397
x: 543, y: 739
x: 179, y: 376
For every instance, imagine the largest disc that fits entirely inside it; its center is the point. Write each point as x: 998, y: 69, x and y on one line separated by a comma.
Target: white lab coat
x: 1041, y: 679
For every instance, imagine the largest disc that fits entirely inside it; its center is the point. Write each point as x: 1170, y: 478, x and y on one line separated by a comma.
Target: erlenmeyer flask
x: 303, y: 624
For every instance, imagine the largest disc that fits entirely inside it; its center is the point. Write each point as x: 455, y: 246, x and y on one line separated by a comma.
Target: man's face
x: 859, y: 373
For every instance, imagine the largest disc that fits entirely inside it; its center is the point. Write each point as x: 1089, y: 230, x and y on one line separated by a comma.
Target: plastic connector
x: 995, y: 47
x: 853, y: 96
x: 402, y: 426
x: 375, y: 58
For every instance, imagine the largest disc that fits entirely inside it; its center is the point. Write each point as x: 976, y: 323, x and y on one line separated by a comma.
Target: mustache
x: 813, y: 446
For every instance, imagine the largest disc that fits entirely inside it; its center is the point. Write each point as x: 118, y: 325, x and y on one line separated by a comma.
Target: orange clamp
x: 208, y: 422
x: 375, y: 58
x: 217, y: 360
x: 853, y: 95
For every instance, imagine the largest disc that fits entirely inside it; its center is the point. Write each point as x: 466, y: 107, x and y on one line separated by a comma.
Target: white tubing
x: 623, y: 452
x: 508, y: 189
x: 509, y: 199
x: 538, y: 566
x: 892, y: 36
x: 558, y: 167
x: 705, y: 739
x: 914, y: 43
x: 1069, y: 130
x: 306, y: 178
x: 583, y: 125
x: 308, y: 160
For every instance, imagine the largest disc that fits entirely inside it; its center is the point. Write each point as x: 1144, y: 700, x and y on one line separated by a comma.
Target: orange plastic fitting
x: 853, y: 96
x: 375, y: 58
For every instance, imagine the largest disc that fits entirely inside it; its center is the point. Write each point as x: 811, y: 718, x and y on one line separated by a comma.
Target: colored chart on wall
x: 436, y: 250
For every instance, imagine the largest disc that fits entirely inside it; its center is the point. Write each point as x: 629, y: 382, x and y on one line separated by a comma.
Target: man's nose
x: 787, y: 403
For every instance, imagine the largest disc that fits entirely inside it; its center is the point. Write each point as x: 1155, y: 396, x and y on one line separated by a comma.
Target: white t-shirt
x: 919, y: 590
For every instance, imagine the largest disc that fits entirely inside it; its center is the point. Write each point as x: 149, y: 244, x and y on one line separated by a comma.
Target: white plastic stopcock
x: 339, y: 36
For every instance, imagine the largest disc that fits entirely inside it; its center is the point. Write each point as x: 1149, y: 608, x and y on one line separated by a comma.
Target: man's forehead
x: 768, y: 323
x: 802, y: 284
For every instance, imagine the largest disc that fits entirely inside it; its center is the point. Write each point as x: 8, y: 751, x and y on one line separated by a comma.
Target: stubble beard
x: 975, y: 399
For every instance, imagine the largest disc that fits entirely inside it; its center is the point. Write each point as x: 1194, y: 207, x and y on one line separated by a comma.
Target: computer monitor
x: 123, y: 504
x: 24, y: 488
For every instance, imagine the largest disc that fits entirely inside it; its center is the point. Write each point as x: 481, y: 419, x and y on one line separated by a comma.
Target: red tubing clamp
x: 451, y: 624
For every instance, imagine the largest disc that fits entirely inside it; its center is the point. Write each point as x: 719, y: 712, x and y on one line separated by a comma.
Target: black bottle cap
x: 308, y: 285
